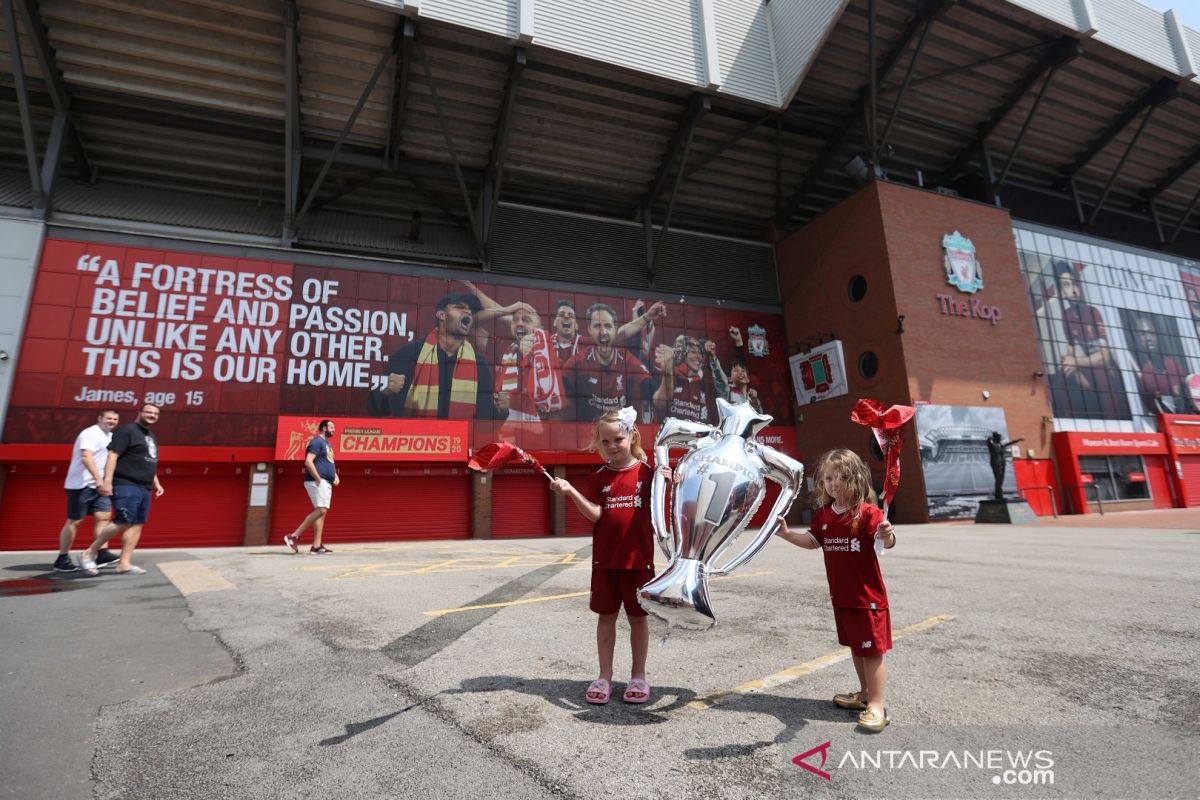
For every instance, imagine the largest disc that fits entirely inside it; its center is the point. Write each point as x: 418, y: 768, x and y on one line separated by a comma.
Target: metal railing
x: 1050, y: 489
x: 1085, y: 487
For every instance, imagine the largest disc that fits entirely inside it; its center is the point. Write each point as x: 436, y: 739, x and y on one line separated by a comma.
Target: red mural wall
x: 226, y: 346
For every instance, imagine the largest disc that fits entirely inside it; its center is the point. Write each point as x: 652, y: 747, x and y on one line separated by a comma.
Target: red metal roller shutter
x: 35, y: 507
x: 520, y: 504
x: 378, y: 504
x: 197, y: 510
x: 578, y: 524
x: 202, y: 506
x: 1191, y: 478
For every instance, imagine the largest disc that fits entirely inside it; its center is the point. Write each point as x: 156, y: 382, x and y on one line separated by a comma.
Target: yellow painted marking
x: 799, y: 670
x: 193, y: 577
x: 526, y: 600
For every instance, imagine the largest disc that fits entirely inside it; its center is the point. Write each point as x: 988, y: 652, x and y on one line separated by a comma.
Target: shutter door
x: 203, y: 507
x: 378, y: 504
x: 1191, y: 478
x: 578, y: 524
x: 520, y: 504
x: 35, y: 507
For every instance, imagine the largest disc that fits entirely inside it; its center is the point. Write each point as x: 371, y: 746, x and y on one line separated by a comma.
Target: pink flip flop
x: 638, y: 691
x: 598, y: 693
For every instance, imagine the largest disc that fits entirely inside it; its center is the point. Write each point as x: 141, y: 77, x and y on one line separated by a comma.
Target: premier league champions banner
x: 228, y: 346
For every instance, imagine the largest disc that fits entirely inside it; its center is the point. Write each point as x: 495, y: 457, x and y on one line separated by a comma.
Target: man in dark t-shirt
x: 441, y: 375
x: 320, y: 476
x: 130, y: 474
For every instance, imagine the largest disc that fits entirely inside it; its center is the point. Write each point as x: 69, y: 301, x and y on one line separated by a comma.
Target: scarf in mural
x: 543, y: 376
x: 422, y: 400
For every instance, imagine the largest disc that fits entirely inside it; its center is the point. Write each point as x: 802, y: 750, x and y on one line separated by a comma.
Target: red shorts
x: 867, y: 632
x: 612, y: 588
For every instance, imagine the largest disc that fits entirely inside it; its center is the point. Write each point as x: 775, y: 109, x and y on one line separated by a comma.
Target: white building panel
x: 746, y: 51
x: 1139, y: 30
x: 1193, y: 42
x: 500, y: 17
x: 1069, y: 13
x: 665, y: 37
x: 799, y: 28
x: 20, y: 245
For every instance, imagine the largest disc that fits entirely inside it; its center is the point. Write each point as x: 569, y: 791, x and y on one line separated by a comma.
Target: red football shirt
x: 623, y: 537
x: 691, y: 398
x: 850, y: 561
x: 595, y: 387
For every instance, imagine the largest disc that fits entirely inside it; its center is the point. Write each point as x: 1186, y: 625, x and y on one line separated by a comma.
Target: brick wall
x: 892, y: 236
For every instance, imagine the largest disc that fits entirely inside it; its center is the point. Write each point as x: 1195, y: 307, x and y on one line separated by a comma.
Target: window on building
x: 1115, y: 477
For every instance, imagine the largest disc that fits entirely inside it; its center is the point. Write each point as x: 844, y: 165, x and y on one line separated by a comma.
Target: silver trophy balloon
x: 718, y: 487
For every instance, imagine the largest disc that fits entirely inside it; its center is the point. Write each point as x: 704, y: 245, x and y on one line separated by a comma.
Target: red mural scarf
x: 543, y: 375
x: 422, y: 400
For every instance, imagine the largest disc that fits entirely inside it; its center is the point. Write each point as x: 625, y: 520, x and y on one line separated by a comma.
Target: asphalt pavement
x: 1029, y: 662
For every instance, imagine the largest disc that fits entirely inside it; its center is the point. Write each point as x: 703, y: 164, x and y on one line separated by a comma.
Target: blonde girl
x: 845, y: 526
x: 617, y: 500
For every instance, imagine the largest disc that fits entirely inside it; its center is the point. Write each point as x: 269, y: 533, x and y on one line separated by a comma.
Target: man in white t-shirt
x: 85, y: 493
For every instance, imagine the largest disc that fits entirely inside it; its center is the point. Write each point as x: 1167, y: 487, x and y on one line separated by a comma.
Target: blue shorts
x: 82, y: 502
x: 132, y: 504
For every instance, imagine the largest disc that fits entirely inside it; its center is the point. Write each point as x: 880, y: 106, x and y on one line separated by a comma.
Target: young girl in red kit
x: 845, y: 527
x: 617, y: 500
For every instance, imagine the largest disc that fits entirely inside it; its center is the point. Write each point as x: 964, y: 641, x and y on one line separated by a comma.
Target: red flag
x: 888, y: 426
x: 497, y: 454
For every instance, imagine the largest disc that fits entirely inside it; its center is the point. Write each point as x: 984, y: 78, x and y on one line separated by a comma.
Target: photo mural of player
x: 955, y: 458
x: 229, y: 345
x: 1118, y: 331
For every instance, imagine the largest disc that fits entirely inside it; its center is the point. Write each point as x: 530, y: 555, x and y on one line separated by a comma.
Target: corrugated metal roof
x: 187, y: 100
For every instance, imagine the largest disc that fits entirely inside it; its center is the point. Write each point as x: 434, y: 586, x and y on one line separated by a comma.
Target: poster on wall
x: 955, y: 460
x: 819, y: 373
x: 226, y: 346
x: 1119, y: 332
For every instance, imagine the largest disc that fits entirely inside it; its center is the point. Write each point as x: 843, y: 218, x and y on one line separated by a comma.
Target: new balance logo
x: 866, y: 644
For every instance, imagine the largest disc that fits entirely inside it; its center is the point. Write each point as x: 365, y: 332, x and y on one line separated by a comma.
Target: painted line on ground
x: 526, y: 600
x: 799, y: 670
x: 193, y: 577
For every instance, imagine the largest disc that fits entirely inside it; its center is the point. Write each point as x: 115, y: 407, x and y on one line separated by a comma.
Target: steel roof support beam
x: 1060, y: 52
x: 395, y: 131
x: 729, y: 142
x: 292, y: 140
x: 481, y: 249
x: 1177, y: 172
x: 666, y: 225
x: 908, y: 73
x: 888, y: 88
x: 1183, y: 220
x: 337, y: 145
x: 698, y: 106
x: 63, y: 129
x: 18, y: 68
x: 1163, y: 91
x: 680, y: 144
x: 1016, y: 148
x: 927, y: 10
x: 1112, y: 178
x: 495, y: 169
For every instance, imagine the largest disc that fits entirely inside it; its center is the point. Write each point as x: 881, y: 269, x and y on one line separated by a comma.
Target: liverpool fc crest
x: 962, y: 268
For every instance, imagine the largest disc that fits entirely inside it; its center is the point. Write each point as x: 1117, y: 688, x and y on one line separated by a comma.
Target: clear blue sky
x: 1188, y: 10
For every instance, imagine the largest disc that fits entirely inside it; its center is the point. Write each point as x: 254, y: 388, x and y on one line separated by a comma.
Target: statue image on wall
x: 996, y: 450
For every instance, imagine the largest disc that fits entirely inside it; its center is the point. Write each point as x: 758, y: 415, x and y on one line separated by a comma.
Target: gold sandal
x: 850, y: 701
x: 873, y: 720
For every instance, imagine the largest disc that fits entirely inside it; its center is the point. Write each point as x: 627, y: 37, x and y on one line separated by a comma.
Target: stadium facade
x: 245, y: 211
